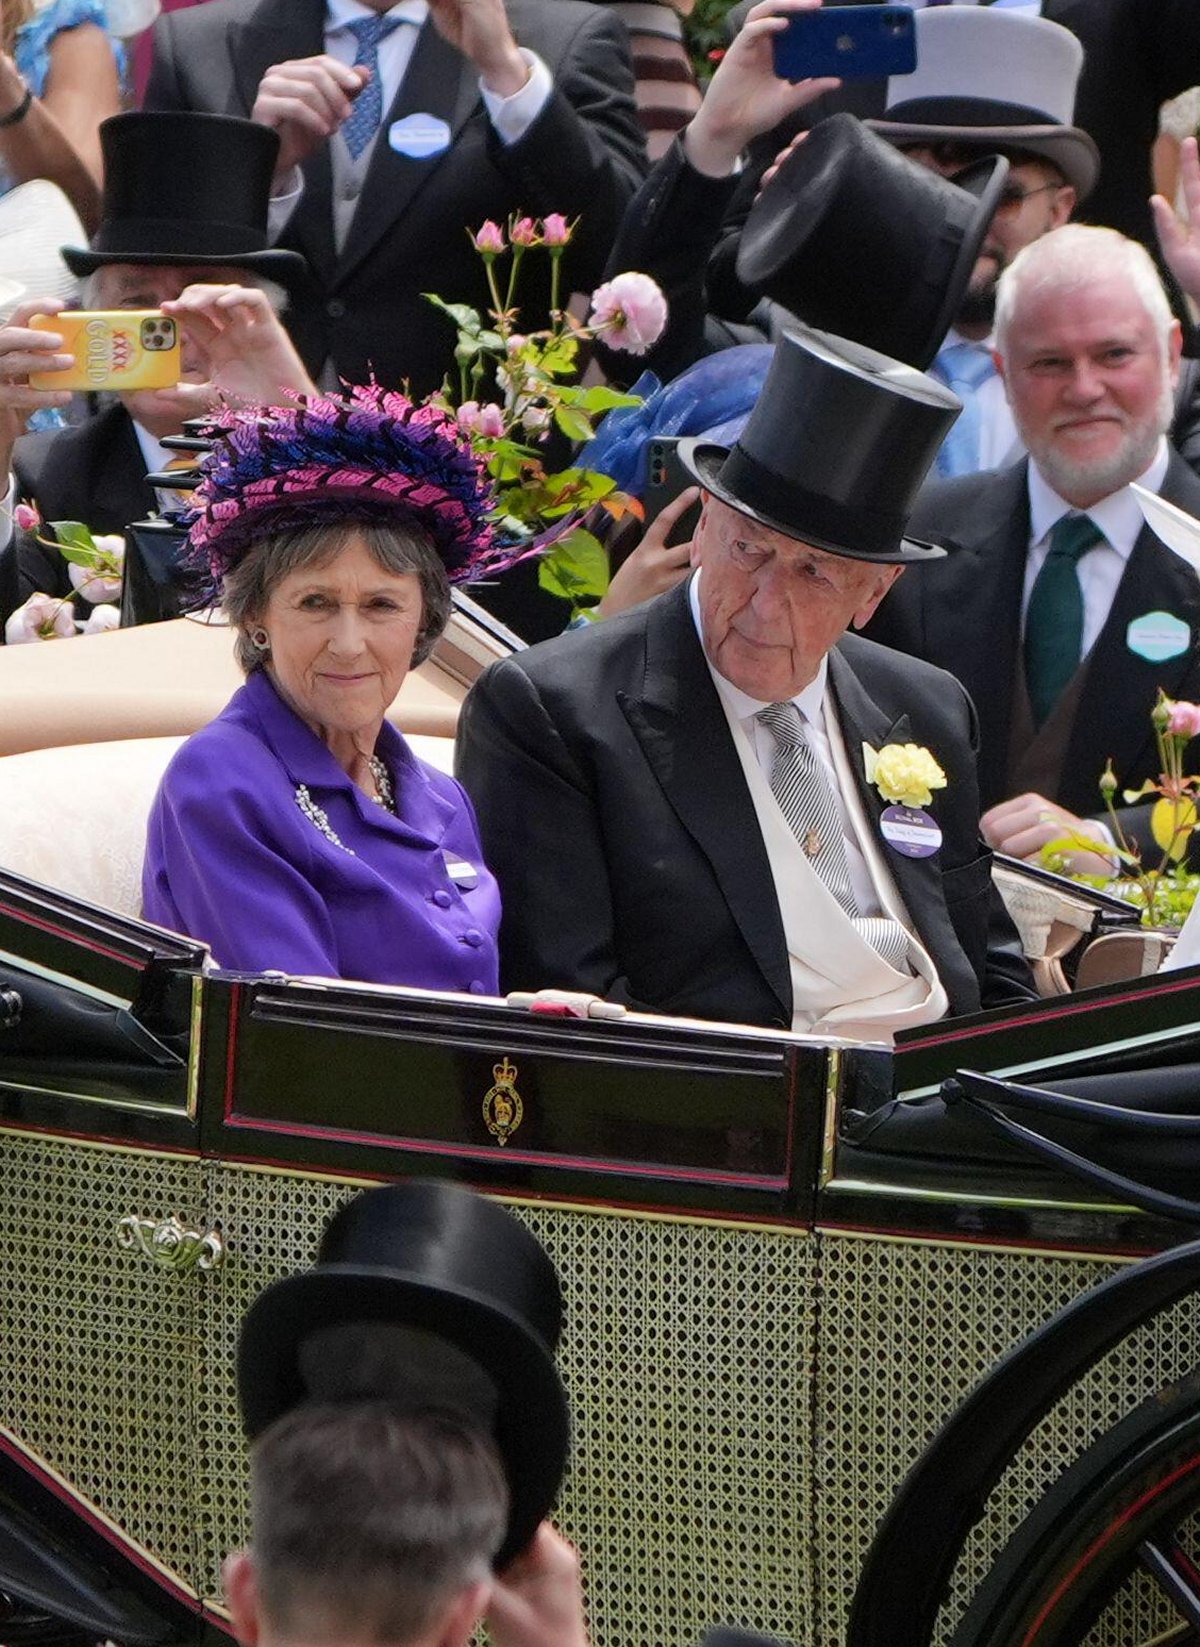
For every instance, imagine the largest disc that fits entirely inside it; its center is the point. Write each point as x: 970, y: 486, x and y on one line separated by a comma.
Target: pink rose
x: 42, y: 617
x: 27, y: 517
x: 536, y: 418
x: 1183, y: 719
x: 491, y: 421
x: 523, y: 232
x: 515, y: 343
x: 102, y: 619
x: 490, y: 239
x: 630, y: 311
x: 468, y: 416
x: 556, y: 231
x: 93, y: 584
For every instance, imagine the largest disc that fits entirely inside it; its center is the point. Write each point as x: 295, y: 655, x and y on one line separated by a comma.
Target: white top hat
x: 993, y: 78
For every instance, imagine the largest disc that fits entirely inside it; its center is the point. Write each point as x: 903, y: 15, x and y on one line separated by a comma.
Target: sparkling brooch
x: 317, y: 816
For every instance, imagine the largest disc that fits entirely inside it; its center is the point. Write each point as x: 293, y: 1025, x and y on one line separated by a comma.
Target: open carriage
x: 785, y: 1262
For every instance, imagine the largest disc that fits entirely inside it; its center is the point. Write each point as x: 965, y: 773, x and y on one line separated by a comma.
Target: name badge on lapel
x: 1157, y: 636
x: 419, y: 136
x: 464, y: 875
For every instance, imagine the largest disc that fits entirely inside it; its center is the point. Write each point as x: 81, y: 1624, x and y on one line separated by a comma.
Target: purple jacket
x: 260, y: 845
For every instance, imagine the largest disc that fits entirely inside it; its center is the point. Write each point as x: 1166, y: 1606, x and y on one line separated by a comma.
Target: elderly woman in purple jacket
x: 298, y: 832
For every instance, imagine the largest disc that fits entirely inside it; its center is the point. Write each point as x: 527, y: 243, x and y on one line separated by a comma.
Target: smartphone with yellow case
x: 113, y: 349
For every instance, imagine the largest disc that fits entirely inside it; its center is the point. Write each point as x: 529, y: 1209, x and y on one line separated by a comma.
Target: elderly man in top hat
x: 183, y: 229
x: 721, y: 805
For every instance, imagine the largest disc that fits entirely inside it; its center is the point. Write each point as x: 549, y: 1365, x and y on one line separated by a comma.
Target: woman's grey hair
x: 396, y: 548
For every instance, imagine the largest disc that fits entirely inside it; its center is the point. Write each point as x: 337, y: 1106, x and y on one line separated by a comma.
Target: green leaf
x: 573, y: 424
x: 576, y: 568
x: 464, y: 317
x: 74, y: 533
x: 559, y: 357
x: 600, y: 398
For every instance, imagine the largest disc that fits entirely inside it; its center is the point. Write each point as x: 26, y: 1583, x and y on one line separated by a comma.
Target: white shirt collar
x: 1118, y: 515
x: 744, y: 707
x: 339, y: 13
x: 155, y: 455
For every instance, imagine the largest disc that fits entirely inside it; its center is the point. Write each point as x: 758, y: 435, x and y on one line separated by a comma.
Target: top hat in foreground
x: 187, y: 189
x: 857, y: 240
x: 993, y: 78
x: 835, y: 450
x: 426, y: 1294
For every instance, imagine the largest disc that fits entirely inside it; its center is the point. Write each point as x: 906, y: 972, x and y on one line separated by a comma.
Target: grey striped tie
x: 807, y: 802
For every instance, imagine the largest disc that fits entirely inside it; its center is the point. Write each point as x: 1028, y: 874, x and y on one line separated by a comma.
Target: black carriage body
x: 784, y: 1262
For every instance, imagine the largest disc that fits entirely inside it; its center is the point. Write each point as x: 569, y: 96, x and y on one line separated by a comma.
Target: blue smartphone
x: 846, y: 41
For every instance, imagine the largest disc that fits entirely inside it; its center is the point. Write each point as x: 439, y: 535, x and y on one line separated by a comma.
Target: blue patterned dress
x: 34, y: 39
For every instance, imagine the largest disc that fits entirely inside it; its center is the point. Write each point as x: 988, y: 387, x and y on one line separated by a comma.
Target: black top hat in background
x: 857, y: 240
x: 835, y: 449
x: 430, y: 1295
x: 184, y: 189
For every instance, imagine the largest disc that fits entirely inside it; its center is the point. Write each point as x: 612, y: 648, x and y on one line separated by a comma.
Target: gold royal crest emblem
x: 502, y: 1106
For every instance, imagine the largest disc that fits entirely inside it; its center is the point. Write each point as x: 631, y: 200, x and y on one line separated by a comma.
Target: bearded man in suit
x: 204, y: 255
x: 411, y: 122
x: 677, y: 803
x: 1060, y: 610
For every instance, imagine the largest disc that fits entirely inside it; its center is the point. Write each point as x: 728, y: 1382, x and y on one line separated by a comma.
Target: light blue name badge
x: 419, y: 136
x: 1157, y: 636
x: 464, y: 875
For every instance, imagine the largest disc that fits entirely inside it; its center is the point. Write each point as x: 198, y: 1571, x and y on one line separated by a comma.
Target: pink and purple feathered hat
x: 371, y: 455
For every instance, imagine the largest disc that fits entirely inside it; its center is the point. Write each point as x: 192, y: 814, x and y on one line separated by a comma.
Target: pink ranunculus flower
x: 27, y: 517
x: 491, y: 420
x: 524, y: 232
x: 103, y: 618
x: 630, y: 312
x: 556, y: 231
x: 468, y: 416
x: 42, y: 617
x: 489, y: 239
x: 1183, y: 719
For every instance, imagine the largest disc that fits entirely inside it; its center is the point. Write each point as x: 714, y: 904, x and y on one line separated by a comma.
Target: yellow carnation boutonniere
x: 906, y: 776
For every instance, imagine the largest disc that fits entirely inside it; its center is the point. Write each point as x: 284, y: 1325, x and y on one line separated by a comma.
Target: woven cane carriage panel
x: 905, y: 1331
x: 689, y: 1485
x: 97, y: 1345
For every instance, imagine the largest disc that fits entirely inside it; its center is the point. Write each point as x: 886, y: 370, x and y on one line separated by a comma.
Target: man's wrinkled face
x: 770, y: 606
x: 1091, y: 381
x: 1036, y: 199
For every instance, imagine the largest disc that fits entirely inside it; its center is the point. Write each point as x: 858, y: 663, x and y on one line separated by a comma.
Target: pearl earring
x: 261, y: 639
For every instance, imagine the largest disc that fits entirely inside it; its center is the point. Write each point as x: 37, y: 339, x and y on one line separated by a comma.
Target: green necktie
x: 1054, y: 621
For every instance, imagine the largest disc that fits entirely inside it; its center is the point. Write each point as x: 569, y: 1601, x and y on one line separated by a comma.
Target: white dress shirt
x: 1101, y: 568
x: 814, y: 707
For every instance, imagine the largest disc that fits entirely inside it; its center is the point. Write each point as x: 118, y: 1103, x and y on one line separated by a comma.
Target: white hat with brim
x: 995, y: 80
x: 35, y: 220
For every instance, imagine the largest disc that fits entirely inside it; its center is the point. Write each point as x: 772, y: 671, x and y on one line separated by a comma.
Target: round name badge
x: 419, y: 136
x: 910, y: 831
x: 1157, y: 636
x: 464, y: 875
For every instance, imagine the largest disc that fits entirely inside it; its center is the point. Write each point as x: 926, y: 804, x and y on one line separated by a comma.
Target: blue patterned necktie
x: 807, y: 801
x: 1054, y: 620
x: 963, y: 367
x: 367, y: 112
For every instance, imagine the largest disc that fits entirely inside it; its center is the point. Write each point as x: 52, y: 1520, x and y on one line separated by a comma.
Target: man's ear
x: 886, y: 577
x: 698, y: 534
x: 1174, y: 350
x: 240, y: 1582
x: 463, y: 1614
x: 1063, y: 205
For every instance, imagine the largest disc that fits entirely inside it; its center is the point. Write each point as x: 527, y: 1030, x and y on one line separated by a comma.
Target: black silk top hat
x: 429, y: 1295
x: 990, y: 77
x: 834, y: 450
x: 184, y: 189
x: 857, y: 240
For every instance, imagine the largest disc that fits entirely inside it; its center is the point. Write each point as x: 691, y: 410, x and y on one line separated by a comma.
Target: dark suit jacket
x: 964, y: 614
x: 93, y: 472
x: 615, y: 814
x: 584, y: 156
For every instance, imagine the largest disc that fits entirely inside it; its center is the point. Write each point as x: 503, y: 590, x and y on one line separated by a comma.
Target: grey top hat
x: 994, y: 78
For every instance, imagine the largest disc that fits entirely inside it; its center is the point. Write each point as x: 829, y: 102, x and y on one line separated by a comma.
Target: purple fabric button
x: 441, y: 898
x: 473, y: 936
x: 477, y: 987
